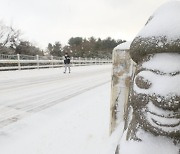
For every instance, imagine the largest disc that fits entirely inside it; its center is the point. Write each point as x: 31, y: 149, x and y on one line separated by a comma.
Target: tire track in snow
x: 13, y: 115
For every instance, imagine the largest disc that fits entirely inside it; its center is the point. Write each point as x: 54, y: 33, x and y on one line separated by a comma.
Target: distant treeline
x: 82, y: 47
x: 10, y: 43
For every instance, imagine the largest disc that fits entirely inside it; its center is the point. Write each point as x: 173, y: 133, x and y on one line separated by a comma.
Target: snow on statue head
x: 154, y: 101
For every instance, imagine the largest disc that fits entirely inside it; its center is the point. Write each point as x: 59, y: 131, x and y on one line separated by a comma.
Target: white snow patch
x: 150, y: 144
x: 123, y: 46
x: 79, y: 125
x: 164, y: 22
x: 152, y: 108
x: 164, y: 62
x: 162, y: 122
x: 163, y: 85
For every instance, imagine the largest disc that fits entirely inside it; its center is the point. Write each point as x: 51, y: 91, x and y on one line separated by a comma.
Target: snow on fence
x: 14, y: 62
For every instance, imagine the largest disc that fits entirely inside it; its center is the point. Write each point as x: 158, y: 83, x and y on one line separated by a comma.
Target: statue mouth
x: 177, y: 123
x: 166, y: 120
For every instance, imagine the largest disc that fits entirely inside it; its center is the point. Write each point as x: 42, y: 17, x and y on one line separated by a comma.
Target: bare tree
x: 9, y: 36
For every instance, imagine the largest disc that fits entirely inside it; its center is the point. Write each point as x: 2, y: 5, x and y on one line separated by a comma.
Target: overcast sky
x: 47, y: 21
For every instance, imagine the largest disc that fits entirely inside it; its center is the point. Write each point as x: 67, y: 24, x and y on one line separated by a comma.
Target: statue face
x: 156, y: 100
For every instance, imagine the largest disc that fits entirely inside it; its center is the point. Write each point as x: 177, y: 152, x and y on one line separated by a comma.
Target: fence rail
x: 14, y: 62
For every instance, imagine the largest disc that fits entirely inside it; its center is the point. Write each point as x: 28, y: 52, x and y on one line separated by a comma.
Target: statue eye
x: 142, y: 83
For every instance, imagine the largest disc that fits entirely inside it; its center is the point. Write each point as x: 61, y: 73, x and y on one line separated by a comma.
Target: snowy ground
x: 48, y: 112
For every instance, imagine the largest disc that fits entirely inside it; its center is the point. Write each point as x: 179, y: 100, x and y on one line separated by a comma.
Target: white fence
x: 13, y: 62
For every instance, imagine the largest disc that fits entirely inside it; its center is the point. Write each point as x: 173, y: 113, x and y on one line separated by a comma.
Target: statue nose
x: 167, y: 103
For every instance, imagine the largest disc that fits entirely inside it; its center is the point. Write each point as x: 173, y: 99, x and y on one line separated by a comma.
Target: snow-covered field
x: 48, y: 112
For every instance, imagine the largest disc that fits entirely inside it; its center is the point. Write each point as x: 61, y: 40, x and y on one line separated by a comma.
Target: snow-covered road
x: 75, y: 119
x: 29, y: 91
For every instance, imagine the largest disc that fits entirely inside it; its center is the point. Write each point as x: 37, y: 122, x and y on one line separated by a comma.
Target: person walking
x: 67, y: 60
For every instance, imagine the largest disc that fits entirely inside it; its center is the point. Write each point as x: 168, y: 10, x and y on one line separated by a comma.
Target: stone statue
x: 152, y: 119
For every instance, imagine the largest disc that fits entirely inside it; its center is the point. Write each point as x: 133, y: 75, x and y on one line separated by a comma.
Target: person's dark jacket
x: 67, y: 59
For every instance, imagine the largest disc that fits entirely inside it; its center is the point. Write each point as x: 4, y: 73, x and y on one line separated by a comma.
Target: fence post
x: 19, y: 65
x: 79, y: 61
x: 52, y: 61
x: 37, y: 58
x: 72, y: 61
x: 86, y: 61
